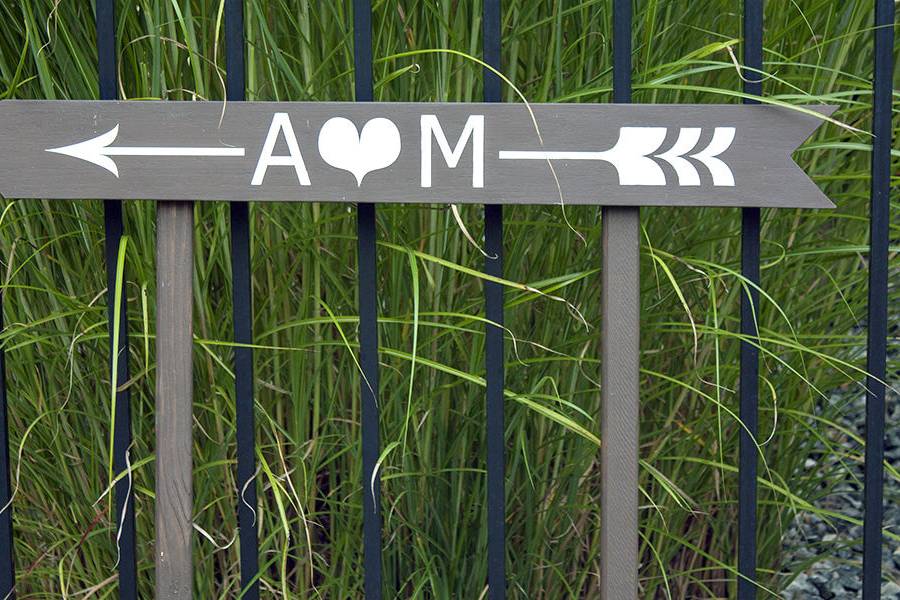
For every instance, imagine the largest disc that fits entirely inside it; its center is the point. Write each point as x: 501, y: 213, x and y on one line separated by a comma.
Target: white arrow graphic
x: 98, y: 151
x: 687, y: 141
x: 634, y: 153
x: 721, y: 141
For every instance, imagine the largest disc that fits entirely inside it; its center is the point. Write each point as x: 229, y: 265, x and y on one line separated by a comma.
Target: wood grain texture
x: 620, y: 359
x: 174, y: 494
x: 759, y: 157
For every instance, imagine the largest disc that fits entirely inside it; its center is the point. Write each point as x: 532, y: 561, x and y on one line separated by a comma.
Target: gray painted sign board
x: 601, y: 154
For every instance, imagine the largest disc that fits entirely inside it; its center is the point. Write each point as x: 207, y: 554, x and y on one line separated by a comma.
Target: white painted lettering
x: 281, y: 122
x: 474, y: 129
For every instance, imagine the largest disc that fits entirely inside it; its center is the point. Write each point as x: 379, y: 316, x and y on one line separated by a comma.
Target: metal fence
x: 619, y: 541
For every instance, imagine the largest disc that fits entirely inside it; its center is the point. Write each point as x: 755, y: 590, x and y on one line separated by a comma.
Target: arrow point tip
x: 92, y: 150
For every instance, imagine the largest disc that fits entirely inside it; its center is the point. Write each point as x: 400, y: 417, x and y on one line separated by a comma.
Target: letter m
x: 474, y: 129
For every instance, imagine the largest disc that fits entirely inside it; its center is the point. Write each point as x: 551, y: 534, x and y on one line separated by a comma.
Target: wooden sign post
x: 618, y: 156
x: 174, y: 393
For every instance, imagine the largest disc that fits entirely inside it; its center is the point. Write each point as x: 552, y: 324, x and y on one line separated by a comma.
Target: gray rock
x: 831, y: 549
x: 850, y: 582
x: 800, y: 588
x: 890, y: 591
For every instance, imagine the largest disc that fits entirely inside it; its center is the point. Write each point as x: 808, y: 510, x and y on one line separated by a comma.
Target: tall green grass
x: 432, y: 393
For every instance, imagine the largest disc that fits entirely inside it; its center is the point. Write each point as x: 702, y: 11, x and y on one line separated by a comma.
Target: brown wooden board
x: 174, y: 394
x: 627, y: 155
x: 620, y: 292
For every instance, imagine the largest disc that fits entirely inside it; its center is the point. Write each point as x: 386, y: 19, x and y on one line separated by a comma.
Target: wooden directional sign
x: 669, y: 155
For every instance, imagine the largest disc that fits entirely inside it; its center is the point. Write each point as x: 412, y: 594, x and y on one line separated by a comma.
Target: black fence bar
x: 242, y: 315
x: 368, y: 326
x: 749, y: 373
x: 876, y: 357
x: 7, y: 566
x: 115, y: 227
x: 494, y: 359
x: 622, y: 17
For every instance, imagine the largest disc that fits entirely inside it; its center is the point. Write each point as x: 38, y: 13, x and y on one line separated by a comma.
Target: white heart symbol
x: 342, y: 147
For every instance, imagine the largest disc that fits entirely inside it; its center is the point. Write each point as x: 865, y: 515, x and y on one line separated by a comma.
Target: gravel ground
x: 838, y: 546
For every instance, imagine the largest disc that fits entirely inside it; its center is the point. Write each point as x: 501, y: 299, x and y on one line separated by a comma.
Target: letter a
x: 281, y: 122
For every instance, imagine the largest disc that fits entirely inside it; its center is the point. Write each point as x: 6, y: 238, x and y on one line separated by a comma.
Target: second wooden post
x: 174, y: 377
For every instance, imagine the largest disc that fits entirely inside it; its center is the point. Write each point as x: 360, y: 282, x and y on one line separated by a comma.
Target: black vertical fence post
x: 114, y: 224
x: 7, y: 567
x: 876, y: 357
x: 620, y: 358
x: 242, y: 315
x: 749, y: 361
x: 494, y: 360
x: 368, y: 326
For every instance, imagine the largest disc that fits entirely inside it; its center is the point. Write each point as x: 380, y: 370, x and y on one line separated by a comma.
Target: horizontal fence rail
x: 620, y: 306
